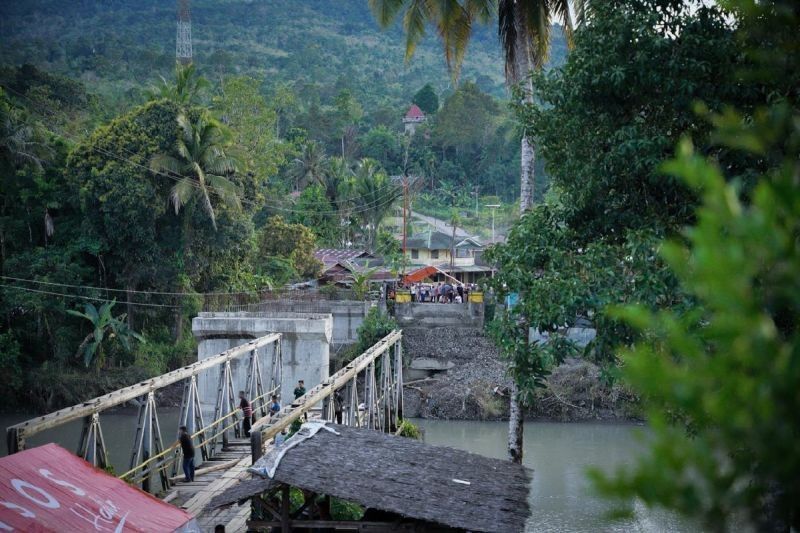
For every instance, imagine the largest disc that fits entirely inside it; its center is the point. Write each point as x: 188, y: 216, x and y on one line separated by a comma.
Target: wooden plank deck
x: 193, y: 497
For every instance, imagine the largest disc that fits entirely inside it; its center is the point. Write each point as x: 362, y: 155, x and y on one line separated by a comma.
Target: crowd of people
x: 441, y: 292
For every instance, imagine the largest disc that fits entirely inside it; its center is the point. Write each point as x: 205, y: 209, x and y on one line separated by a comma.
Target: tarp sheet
x: 421, y: 273
x: 50, y: 489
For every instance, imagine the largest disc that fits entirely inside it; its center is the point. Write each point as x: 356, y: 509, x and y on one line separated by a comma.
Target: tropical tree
x: 524, y: 31
x: 374, y: 195
x: 310, y: 166
x: 186, y: 88
x: 105, y: 327
x: 426, y: 99
x: 200, y: 161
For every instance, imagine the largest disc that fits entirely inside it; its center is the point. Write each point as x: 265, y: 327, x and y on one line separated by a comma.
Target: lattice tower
x: 183, y: 41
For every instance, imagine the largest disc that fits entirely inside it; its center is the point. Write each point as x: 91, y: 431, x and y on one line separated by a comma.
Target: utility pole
x: 183, y: 40
x: 475, y: 192
x: 493, y: 207
x: 405, y: 208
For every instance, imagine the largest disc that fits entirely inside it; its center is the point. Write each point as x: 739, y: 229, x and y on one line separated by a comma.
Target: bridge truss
x: 151, y: 455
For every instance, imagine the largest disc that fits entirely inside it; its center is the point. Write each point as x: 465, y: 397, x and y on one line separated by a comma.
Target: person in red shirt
x: 247, y: 412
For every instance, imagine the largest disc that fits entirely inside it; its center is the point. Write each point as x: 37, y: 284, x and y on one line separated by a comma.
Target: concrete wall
x: 347, y: 315
x: 435, y: 315
x: 305, y: 348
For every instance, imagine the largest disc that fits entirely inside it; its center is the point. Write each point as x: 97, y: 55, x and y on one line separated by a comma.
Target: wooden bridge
x: 373, y: 385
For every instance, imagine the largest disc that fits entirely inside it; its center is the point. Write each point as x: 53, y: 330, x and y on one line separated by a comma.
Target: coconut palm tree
x: 524, y: 31
x: 186, y: 88
x: 374, y: 195
x: 523, y: 28
x: 201, y: 160
x: 310, y: 166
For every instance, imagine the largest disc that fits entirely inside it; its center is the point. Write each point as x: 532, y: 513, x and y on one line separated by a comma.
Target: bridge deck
x: 194, y: 497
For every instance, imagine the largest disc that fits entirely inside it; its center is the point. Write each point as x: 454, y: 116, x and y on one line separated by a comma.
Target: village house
x: 460, y: 258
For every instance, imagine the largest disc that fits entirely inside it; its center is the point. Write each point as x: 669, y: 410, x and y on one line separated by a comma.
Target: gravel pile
x: 476, y: 388
x: 466, y: 391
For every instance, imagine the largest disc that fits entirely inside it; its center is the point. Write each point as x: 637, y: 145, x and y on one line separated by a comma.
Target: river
x: 558, y: 454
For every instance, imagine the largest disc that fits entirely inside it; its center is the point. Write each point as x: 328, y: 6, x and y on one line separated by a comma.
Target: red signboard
x: 50, y: 489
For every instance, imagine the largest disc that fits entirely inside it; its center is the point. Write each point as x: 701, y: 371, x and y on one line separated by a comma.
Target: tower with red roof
x: 413, y: 117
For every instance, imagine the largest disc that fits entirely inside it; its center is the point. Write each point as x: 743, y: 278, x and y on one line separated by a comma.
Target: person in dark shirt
x: 247, y: 413
x: 188, y: 453
x: 338, y: 406
x: 299, y: 391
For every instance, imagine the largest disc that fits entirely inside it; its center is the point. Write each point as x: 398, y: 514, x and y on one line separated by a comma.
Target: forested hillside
x: 328, y: 44
x: 124, y: 179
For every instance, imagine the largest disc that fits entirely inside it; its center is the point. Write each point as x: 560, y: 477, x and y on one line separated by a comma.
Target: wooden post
x: 285, y: 528
x: 398, y: 354
x: 256, y: 445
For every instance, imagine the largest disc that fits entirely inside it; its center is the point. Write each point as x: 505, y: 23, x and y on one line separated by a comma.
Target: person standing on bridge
x: 299, y: 391
x: 187, y: 447
x: 247, y: 412
x: 274, y: 406
x: 338, y: 406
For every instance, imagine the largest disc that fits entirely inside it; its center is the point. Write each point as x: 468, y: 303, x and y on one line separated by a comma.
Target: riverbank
x: 476, y: 386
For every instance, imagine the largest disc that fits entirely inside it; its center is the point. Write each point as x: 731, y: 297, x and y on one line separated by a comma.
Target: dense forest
x: 133, y: 191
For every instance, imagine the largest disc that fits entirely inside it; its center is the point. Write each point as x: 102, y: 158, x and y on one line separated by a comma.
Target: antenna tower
x: 183, y: 41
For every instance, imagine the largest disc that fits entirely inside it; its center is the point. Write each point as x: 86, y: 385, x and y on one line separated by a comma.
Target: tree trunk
x: 515, y: 426
x: 526, y: 177
x: 523, y: 69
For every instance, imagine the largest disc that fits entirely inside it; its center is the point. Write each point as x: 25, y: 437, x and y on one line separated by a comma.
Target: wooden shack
x: 403, y: 485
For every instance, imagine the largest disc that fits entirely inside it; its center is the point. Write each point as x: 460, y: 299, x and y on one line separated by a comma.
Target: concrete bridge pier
x: 305, y: 348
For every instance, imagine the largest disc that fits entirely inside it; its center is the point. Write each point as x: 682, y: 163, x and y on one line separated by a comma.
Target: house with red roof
x: 414, y: 116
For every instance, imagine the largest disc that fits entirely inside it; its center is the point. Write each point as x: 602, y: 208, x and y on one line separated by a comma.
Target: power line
x: 158, y: 293
x: 90, y: 298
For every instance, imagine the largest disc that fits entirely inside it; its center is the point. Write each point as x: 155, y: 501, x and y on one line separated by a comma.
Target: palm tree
x: 310, y: 166
x: 524, y: 31
x: 201, y: 161
x: 185, y: 90
x: 523, y: 28
x: 374, y: 195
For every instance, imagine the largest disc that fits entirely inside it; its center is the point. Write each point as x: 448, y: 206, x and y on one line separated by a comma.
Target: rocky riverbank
x: 475, y: 387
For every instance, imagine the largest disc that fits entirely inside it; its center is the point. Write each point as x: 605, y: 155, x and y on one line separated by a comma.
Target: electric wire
x: 381, y: 200
x: 82, y: 297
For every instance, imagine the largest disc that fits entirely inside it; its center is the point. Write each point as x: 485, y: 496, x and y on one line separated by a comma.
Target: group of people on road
x: 442, y: 292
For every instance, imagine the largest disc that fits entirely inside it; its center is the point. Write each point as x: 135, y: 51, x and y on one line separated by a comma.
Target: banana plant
x: 105, y: 326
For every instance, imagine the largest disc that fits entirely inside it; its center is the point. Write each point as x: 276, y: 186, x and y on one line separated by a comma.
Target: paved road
x: 440, y: 225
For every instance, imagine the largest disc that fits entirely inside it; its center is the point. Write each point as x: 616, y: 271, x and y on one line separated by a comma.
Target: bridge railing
x: 150, y: 454
x: 377, y: 404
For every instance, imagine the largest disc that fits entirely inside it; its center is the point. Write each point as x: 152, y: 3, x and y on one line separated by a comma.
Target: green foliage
x: 344, y: 510
x: 10, y: 367
x: 426, y: 99
x: 604, y: 122
x: 104, y: 326
x: 286, y: 251
x: 721, y: 381
x: 200, y: 162
x: 253, y: 123
x: 376, y: 326
x: 409, y: 430
x: 729, y: 370
x: 185, y: 90
x: 360, y: 282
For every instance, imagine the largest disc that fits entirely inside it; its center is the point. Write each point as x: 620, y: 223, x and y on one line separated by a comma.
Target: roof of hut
x: 431, y: 483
